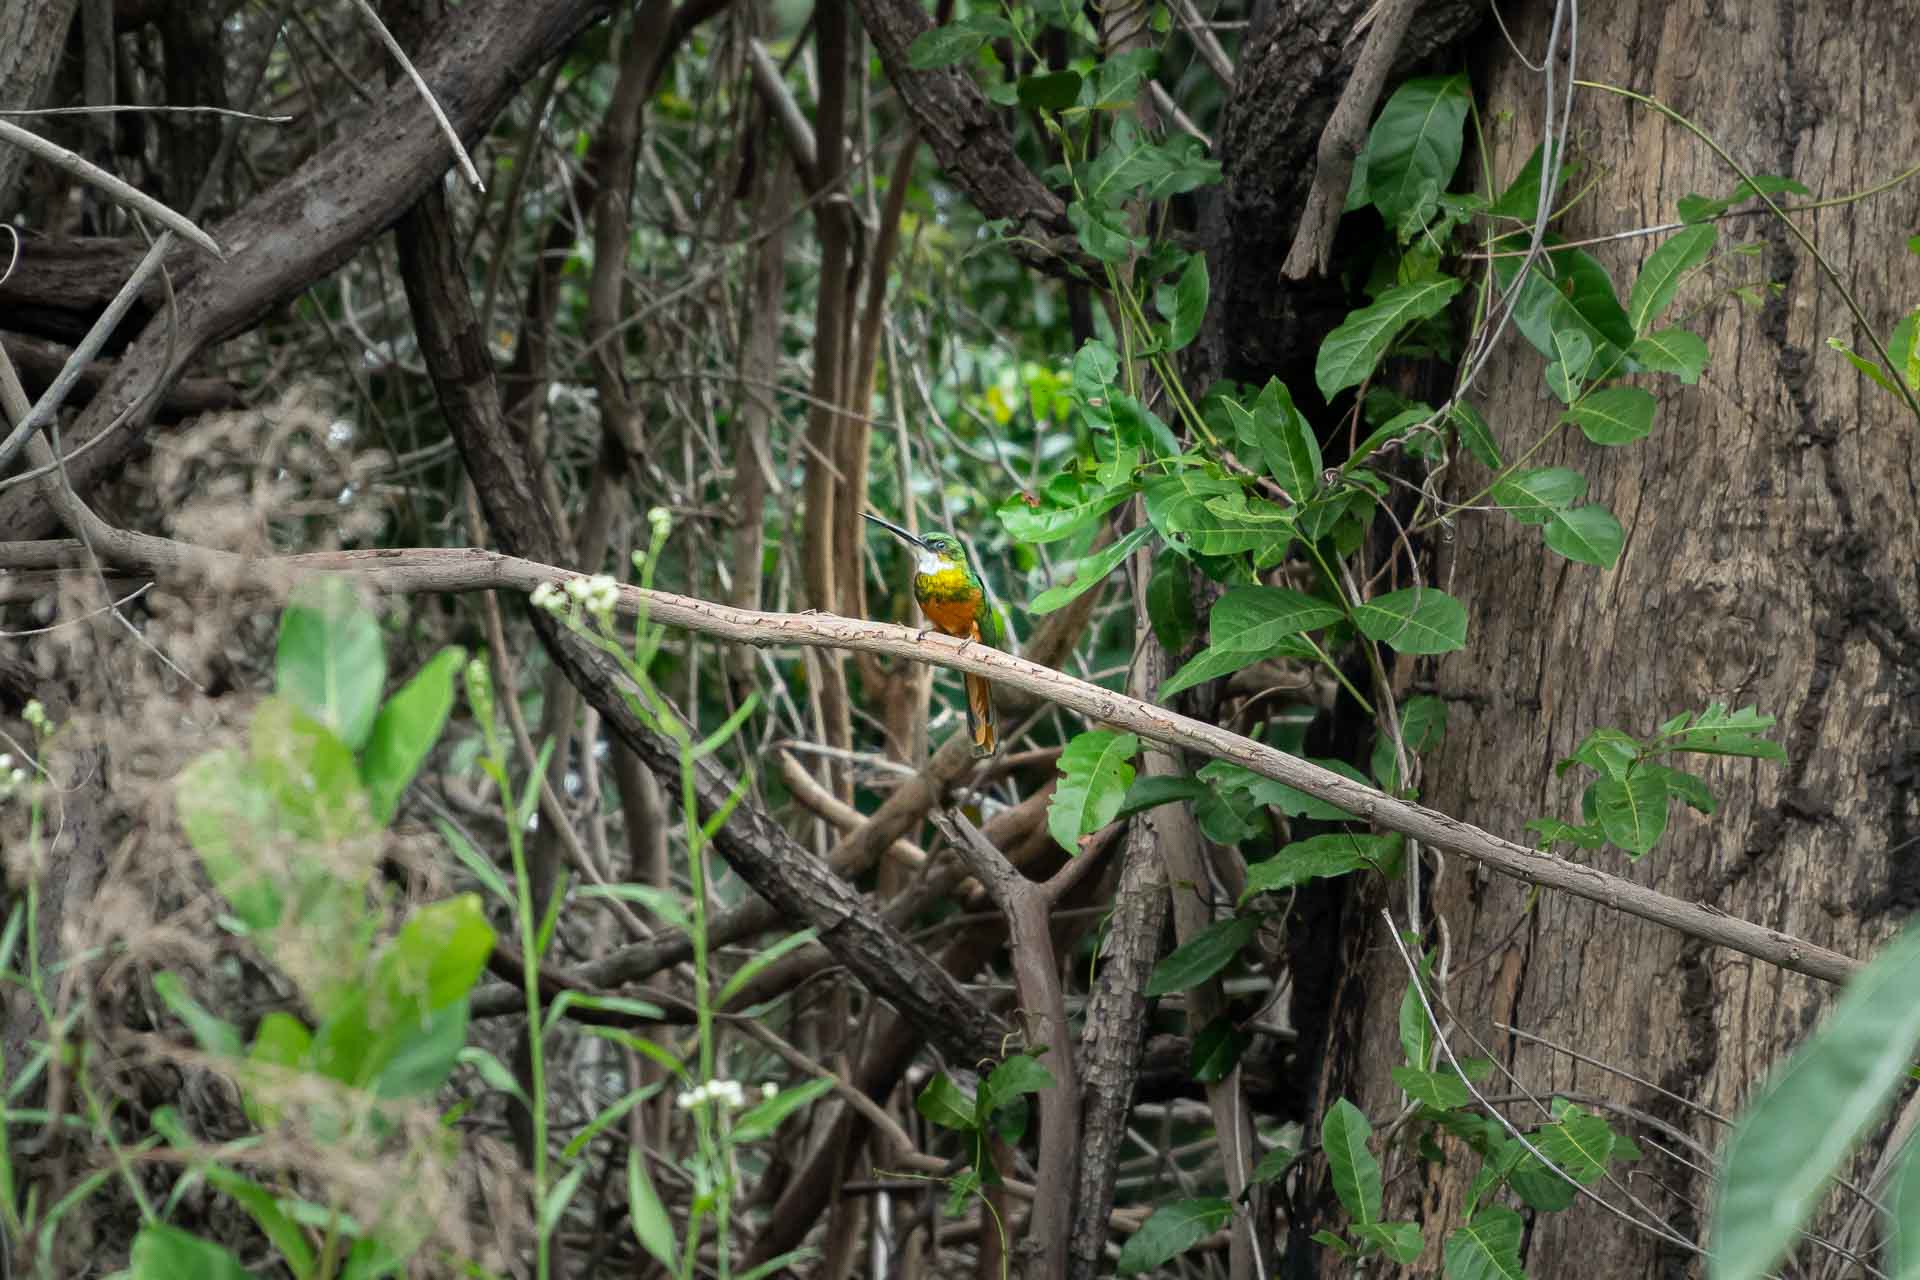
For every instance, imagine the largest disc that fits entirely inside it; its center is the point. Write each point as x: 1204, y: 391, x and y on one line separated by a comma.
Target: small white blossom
x: 6, y: 762
x: 769, y: 1090
x: 36, y: 717
x: 661, y: 521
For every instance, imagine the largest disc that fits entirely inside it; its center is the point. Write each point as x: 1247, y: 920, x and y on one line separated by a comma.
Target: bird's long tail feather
x: 980, y: 715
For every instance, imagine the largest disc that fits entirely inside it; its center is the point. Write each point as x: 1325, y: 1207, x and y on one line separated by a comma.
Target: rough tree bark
x: 32, y: 34
x: 1772, y: 517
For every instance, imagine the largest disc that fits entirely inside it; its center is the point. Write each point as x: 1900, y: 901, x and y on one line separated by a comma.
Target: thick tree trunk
x: 1773, y: 519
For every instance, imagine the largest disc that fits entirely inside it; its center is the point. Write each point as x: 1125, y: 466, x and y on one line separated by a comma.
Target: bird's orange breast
x: 956, y: 617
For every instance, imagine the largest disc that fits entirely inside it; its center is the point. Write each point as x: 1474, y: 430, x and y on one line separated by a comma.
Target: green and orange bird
x: 954, y: 601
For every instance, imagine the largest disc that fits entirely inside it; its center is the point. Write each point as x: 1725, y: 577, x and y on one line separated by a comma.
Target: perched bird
x: 954, y: 601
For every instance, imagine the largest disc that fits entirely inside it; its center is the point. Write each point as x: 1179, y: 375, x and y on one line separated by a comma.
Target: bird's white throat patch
x: 930, y: 561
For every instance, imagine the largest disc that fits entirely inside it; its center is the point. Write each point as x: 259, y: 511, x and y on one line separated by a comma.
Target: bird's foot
x: 922, y: 634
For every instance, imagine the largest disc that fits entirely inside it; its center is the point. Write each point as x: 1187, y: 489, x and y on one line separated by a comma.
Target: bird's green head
x: 944, y: 545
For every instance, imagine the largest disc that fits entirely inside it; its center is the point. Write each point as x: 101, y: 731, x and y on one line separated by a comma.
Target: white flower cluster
x: 36, y: 717
x: 660, y: 520
x: 728, y: 1093
x: 12, y: 777
x: 597, y: 595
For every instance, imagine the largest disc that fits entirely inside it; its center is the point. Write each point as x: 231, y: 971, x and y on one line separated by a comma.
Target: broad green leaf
x: 1289, y: 800
x: 1578, y: 1142
x: 1095, y: 366
x: 760, y: 1121
x: 1170, y: 1231
x: 331, y: 663
x: 1531, y: 497
x: 1632, y: 812
x: 1423, y: 724
x: 651, y: 1225
x: 1615, y: 415
x: 1552, y: 831
x: 1217, y: 1049
x: 1565, y: 290
x: 406, y: 729
x: 1154, y: 790
x: 1066, y: 507
x: 1213, y: 662
x: 1487, y: 1248
x: 227, y: 815
x: 1416, y: 620
x: 1605, y: 751
x: 163, y: 1252
x: 1441, y: 1090
x: 1274, y: 1163
x: 1661, y: 277
x: 1114, y: 83
x: 1685, y: 785
x: 1903, y: 1210
x: 1476, y: 435
x: 1170, y: 604
x: 1258, y: 618
x: 955, y: 42
x: 1352, y: 351
x: 309, y: 773
x: 1203, y: 955
x: 1094, y: 777
x: 1054, y: 91
x: 1394, y: 428
x: 1588, y: 535
x: 1318, y: 857
x: 1414, y: 146
x: 1229, y: 815
x: 1092, y: 572
x: 1398, y: 1240
x: 1572, y: 362
x: 1675, y: 351
x: 1282, y: 437
x: 1521, y: 199
x: 1133, y: 161
x: 1416, y: 1029
x: 1717, y: 731
x: 1189, y: 303
x: 559, y: 1196
x: 1869, y: 367
x: 1356, y: 1174
x: 1798, y: 1132
x: 946, y: 1104
x: 415, y: 1057
x: 434, y: 960
x: 1020, y: 1074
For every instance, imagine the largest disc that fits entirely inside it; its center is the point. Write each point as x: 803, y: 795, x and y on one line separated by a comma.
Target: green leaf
x: 162, y: 1252
x: 1552, y: 831
x: 434, y: 960
x: 1675, y: 351
x: 1019, y: 1075
x: 1487, y: 1248
x: 1572, y: 362
x: 1256, y: 619
x: 1054, y: 91
x: 1214, y: 662
x: 1661, y: 277
x: 216, y: 1036
x: 1633, y: 812
x: 1565, y: 290
x: 955, y: 42
x: 1170, y: 604
x: 406, y: 729
x: 1351, y: 352
x: 762, y: 1120
x: 1094, y: 777
x: 1476, y: 435
x: 1170, y: 1231
x: 1189, y: 304
x: 1416, y: 1030
x: 1798, y: 1133
x: 1717, y: 731
x: 1521, y: 199
x: 227, y: 815
x: 651, y: 1225
x: 1578, y: 1142
x: 1067, y: 506
x: 331, y: 663
x: 558, y: 1197
x: 413, y: 1058
x: 1416, y: 620
x: 1217, y: 1049
x: 1423, y: 724
x: 1414, y: 146
x: 1398, y: 1240
x: 1700, y: 209
x: 1531, y: 497
x: 1605, y: 751
x: 1092, y: 572
x: 946, y: 1104
x: 1871, y: 368
x: 1588, y: 535
x: 1318, y: 857
x: 1155, y: 789
x: 309, y: 773
x: 1441, y: 1090
x: 1289, y: 800
x: 1616, y: 415
x: 1356, y: 1174
x: 1903, y: 1208
x: 1203, y: 955
x: 1273, y: 1164
x: 759, y: 961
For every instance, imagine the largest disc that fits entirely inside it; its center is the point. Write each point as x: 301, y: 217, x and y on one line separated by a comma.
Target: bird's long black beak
x: 895, y: 530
